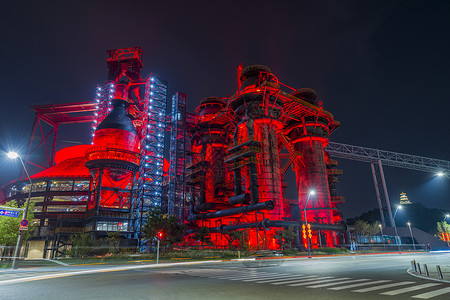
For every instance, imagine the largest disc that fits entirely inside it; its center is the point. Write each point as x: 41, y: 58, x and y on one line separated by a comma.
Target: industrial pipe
x: 237, y: 182
x: 268, y: 205
x: 254, y: 183
x: 266, y: 224
x: 210, y: 206
x: 240, y: 199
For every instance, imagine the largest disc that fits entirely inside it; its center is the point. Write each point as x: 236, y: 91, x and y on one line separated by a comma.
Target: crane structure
x: 377, y: 158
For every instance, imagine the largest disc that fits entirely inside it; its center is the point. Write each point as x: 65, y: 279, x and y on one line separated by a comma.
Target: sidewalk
x: 428, y: 269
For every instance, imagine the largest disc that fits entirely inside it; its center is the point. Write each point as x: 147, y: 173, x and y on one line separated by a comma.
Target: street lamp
x: 412, y: 237
x: 443, y: 228
x: 308, y: 240
x: 395, y: 227
x: 14, y: 155
x: 442, y: 174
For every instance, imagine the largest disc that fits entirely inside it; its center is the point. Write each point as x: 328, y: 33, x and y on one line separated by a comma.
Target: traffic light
x: 445, y: 237
x: 160, y: 235
x: 304, y: 231
x: 309, y: 231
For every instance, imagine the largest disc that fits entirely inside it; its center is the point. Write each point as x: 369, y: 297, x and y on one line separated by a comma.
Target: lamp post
x: 412, y: 237
x: 441, y: 174
x: 308, y: 240
x: 382, y: 236
x: 445, y: 230
x: 395, y: 227
x: 14, y: 155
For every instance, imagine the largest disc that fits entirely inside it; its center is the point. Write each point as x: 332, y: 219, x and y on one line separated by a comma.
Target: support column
x: 377, y: 192
x: 386, y: 195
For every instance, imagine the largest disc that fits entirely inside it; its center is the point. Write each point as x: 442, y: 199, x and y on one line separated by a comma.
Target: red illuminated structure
x: 228, y: 162
x: 239, y: 144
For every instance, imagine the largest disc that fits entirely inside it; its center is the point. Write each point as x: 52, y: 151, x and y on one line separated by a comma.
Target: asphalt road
x: 347, y: 277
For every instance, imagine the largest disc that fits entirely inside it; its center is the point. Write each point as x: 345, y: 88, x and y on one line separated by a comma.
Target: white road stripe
x: 287, y: 276
x: 318, y: 281
x: 220, y: 274
x: 385, y: 286
x: 409, y: 289
x: 256, y: 277
x: 433, y: 293
x: 336, y: 283
x: 283, y: 279
x: 216, y: 275
x: 301, y: 280
x: 358, y: 285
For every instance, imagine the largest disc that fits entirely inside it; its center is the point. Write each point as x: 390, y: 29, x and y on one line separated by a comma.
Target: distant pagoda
x: 404, y: 199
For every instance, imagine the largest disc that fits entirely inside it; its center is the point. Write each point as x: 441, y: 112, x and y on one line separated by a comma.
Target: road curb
x: 410, y: 272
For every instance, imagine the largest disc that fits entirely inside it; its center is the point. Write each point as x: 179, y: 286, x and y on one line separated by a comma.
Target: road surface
x: 343, y: 277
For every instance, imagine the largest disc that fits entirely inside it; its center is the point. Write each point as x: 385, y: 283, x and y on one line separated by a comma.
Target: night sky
x: 381, y: 67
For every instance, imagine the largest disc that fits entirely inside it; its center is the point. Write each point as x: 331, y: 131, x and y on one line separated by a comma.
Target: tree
x: 202, y: 235
x: 443, y: 228
x: 239, y: 239
x: 367, y: 229
x: 113, y: 239
x: 159, y: 222
x: 422, y: 217
x: 285, y: 236
x: 82, y: 244
x: 9, y: 227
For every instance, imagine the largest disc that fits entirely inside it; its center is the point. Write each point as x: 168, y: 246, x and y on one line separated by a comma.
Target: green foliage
x: 9, y: 227
x: 202, y: 235
x: 420, y: 216
x: 239, y: 239
x: 367, y: 229
x: 170, y: 226
x: 327, y: 250
x: 82, y: 244
x: 291, y: 252
x: 442, y: 227
x: 285, y: 236
x: 113, y: 240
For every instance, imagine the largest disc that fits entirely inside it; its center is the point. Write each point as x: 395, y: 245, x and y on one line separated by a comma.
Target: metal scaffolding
x: 150, y: 183
x: 178, y: 140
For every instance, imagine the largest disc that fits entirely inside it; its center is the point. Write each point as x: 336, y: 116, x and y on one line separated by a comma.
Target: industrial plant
x: 222, y: 167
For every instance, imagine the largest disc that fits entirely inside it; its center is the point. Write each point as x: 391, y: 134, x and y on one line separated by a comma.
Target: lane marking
x: 385, y: 286
x: 301, y: 280
x: 336, y: 283
x: 318, y: 281
x: 257, y: 277
x: 409, y: 289
x: 87, y: 264
x: 358, y: 285
x: 94, y: 271
x: 284, y: 279
x: 275, y: 277
x: 433, y: 293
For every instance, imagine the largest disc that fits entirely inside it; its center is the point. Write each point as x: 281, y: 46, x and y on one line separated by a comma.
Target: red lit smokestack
x: 113, y: 159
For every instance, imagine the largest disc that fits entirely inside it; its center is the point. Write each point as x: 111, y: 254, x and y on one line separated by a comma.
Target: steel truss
x: 149, y: 192
x: 55, y: 115
x: 178, y: 140
x: 388, y: 158
x: 377, y: 158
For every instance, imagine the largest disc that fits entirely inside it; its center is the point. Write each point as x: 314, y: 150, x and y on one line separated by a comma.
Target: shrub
x: 327, y: 250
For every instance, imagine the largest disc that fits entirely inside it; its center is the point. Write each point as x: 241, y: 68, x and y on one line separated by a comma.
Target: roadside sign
x: 24, y: 223
x: 23, y: 228
x: 9, y: 213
